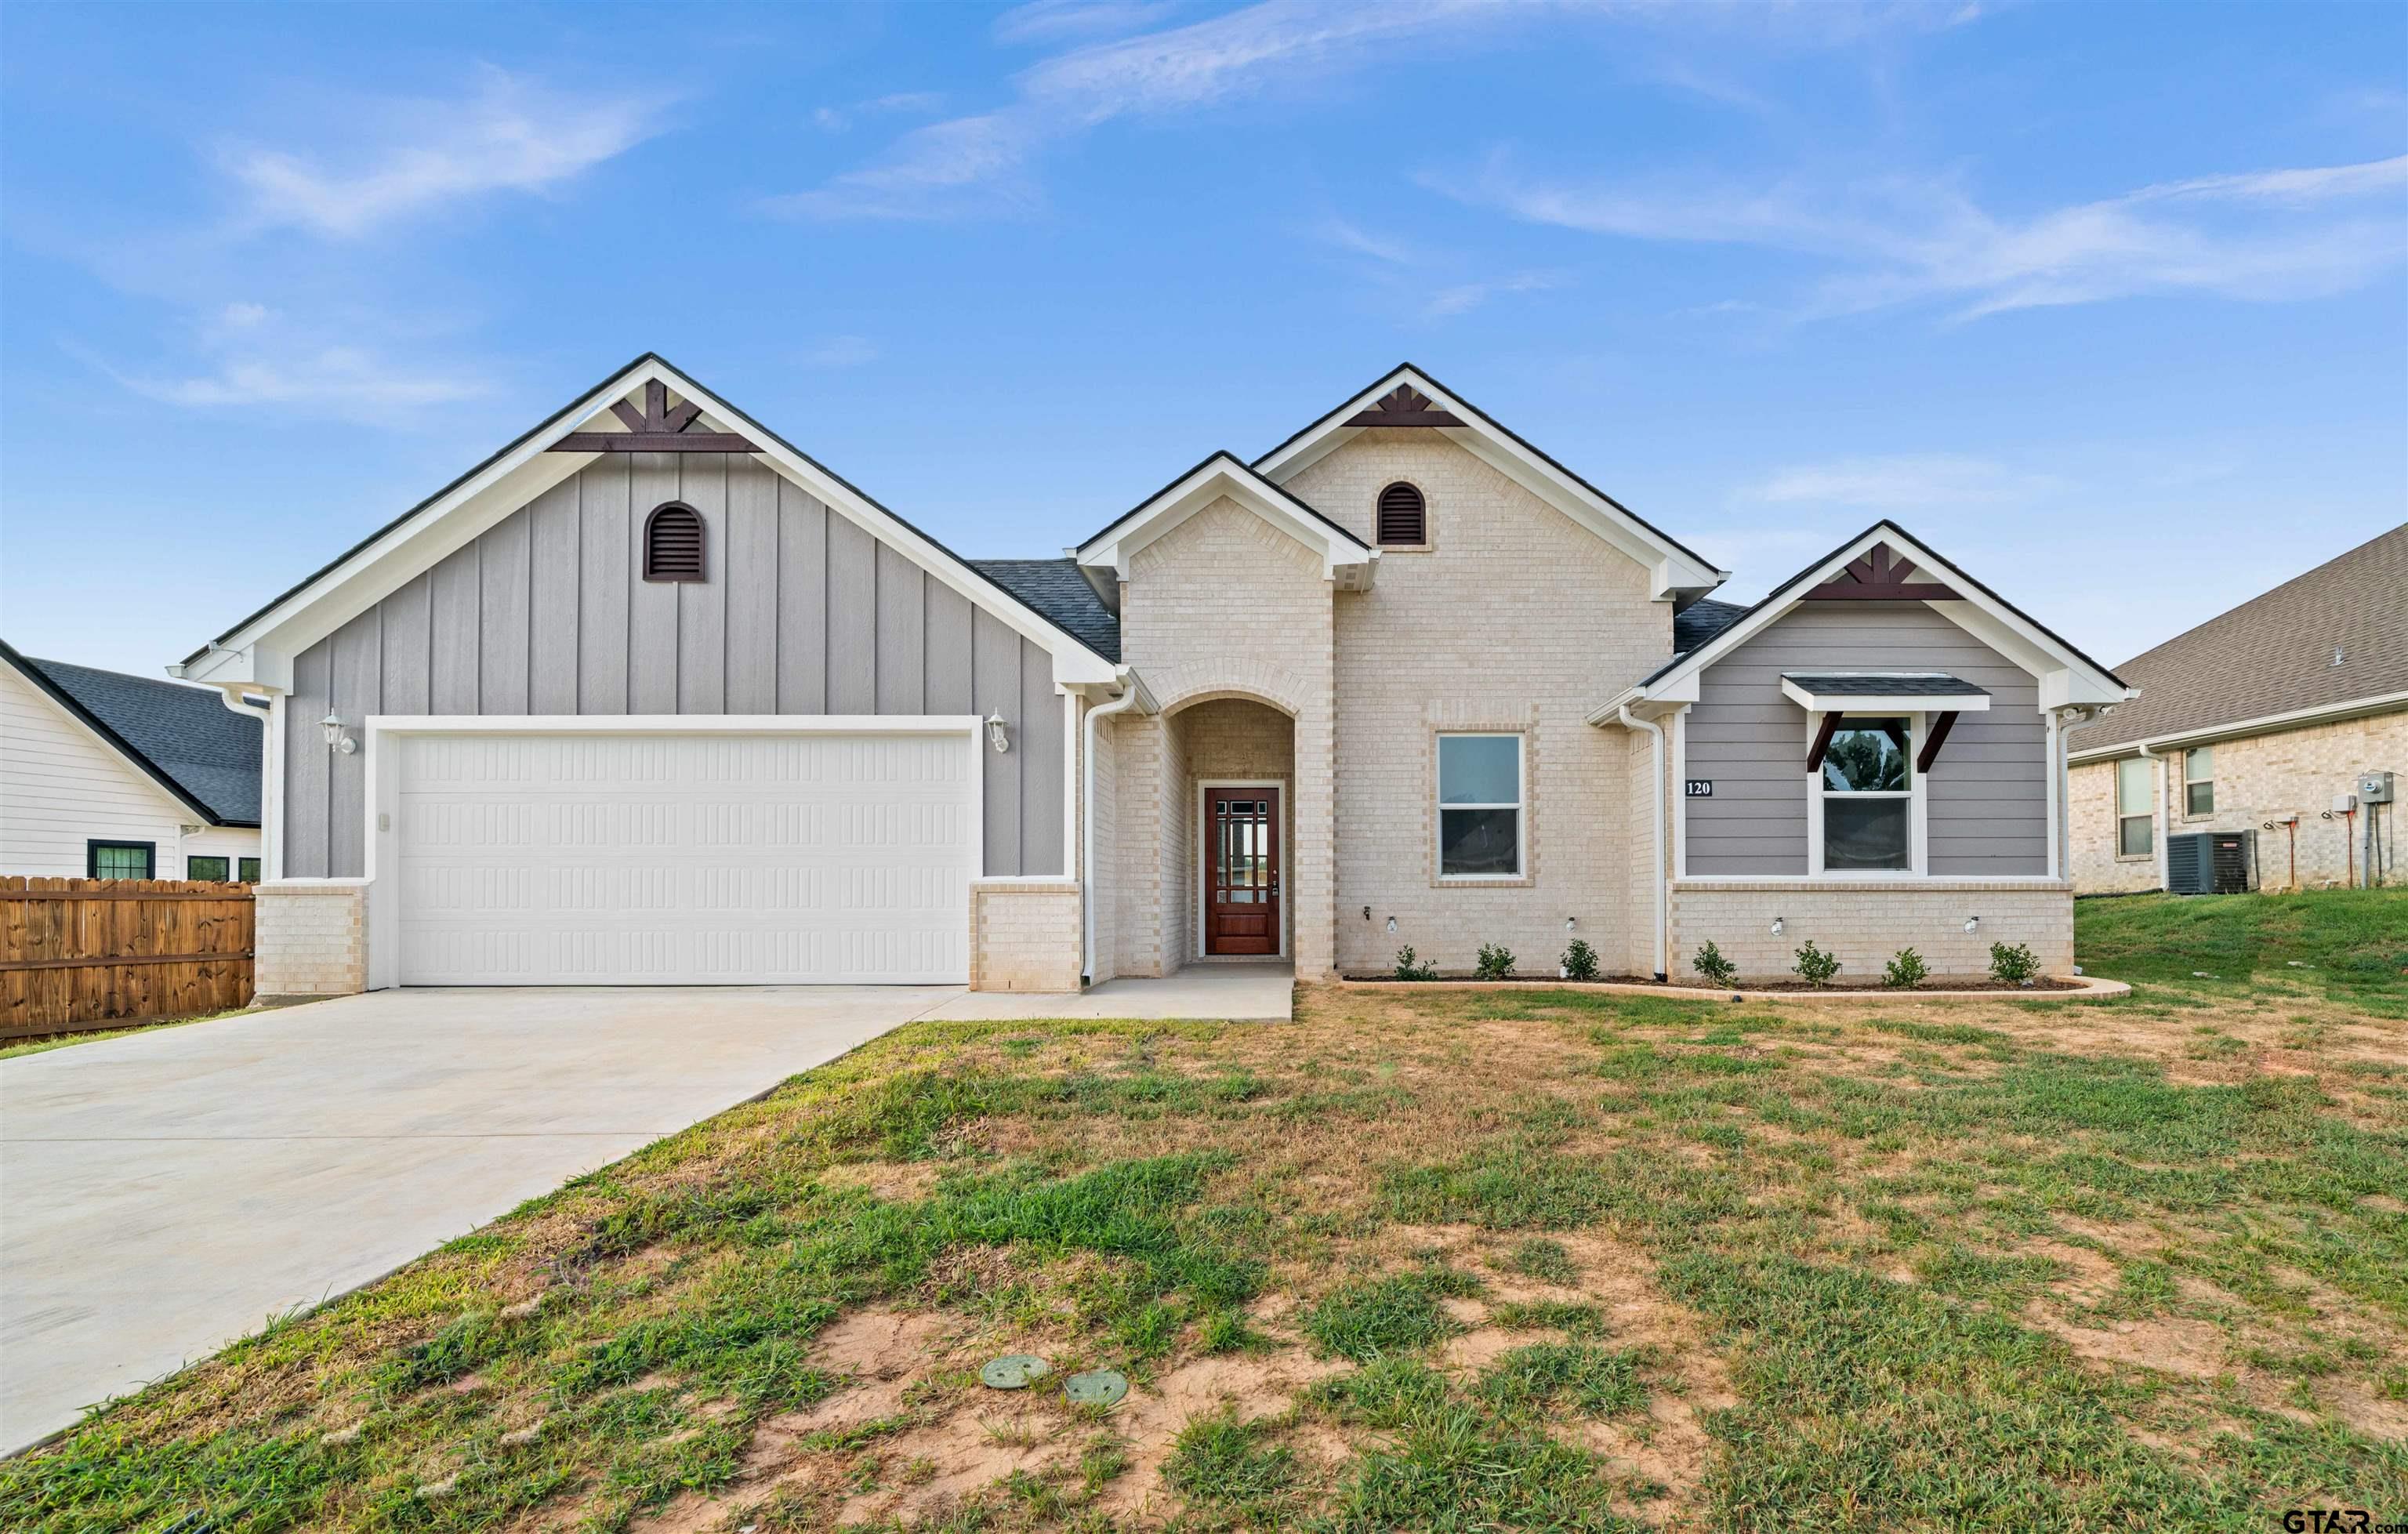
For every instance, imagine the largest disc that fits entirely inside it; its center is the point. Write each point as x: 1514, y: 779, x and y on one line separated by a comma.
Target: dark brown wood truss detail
x: 1931, y: 740
x: 1404, y: 405
x: 654, y: 428
x: 1822, y: 742
x: 1879, y: 577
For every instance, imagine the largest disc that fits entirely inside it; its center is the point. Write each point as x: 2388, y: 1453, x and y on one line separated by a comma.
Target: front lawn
x: 1540, y: 1259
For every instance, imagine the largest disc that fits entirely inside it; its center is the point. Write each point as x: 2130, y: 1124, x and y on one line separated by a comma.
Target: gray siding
x: 1987, y: 796
x: 546, y: 612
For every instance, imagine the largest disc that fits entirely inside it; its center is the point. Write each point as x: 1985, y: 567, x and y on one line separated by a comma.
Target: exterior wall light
x: 1972, y: 924
x: 336, y: 739
x: 1391, y: 924
x: 995, y: 734
x: 1776, y: 927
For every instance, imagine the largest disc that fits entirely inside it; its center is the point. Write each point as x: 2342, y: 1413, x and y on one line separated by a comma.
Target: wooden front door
x: 1241, y: 870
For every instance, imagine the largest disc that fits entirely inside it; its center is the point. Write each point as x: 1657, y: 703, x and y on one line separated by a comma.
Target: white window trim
x: 1918, y: 835
x: 1520, y: 808
x: 2121, y: 814
x: 1204, y: 874
x: 2189, y: 755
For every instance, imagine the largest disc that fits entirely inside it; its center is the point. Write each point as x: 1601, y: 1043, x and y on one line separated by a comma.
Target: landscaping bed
x: 1937, y: 985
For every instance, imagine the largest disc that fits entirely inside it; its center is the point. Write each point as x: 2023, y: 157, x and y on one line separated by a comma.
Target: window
x: 1480, y: 805
x: 119, y: 859
x: 211, y: 869
x: 247, y: 870
x: 2199, y: 781
x: 2135, y: 833
x: 673, y: 543
x: 1867, y: 794
x: 1404, y: 518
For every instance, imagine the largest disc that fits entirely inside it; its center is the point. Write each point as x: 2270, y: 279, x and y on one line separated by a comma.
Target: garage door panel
x: 638, y: 859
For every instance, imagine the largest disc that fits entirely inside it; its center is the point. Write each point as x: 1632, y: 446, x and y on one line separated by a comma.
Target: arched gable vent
x: 1403, y: 517
x: 673, y: 543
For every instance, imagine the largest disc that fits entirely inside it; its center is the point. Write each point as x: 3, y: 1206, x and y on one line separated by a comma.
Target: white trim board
x: 259, y: 654
x: 1346, y: 561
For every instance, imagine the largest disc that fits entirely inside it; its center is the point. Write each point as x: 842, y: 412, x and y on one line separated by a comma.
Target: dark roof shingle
x: 1057, y: 590
x: 2275, y: 653
x: 1701, y: 620
x: 1884, y: 684
x: 183, y: 734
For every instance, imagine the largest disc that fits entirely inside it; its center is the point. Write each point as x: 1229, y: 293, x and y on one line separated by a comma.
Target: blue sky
x: 2107, y: 301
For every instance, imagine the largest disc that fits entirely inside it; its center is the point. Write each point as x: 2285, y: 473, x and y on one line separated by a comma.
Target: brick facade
x: 1515, y: 617
x: 1866, y: 923
x: 2257, y: 779
x: 310, y: 937
x: 1023, y: 935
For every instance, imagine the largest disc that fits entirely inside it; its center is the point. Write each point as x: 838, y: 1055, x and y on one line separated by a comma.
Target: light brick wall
x: 1517, y: 618
x: 2257, y: 780
x: 1223, y: 605
x: 1024, y: 936
x: 1866, y: 923
x: 311, y: 939
x: 1105, y: 963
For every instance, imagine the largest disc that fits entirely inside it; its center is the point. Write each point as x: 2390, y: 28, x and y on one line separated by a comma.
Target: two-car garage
x: 764, y: 851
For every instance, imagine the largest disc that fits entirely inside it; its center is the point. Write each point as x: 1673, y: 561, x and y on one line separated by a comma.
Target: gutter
x: 2330, y: 713
x: 1132, y: 695
x: 1661, y: 878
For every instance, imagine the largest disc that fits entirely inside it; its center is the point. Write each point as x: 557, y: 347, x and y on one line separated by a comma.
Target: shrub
x: 2014, y: 966
x: 1409, y: 967
x: 1711, y: 964
x: 1496, y: 962
x: 1580, y: 961
x: 1815, y: 966
x: 1906, y: 969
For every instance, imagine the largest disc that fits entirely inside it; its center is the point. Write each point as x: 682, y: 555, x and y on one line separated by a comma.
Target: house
x: 107, y: 776
x: 2262, y: 719
x: 651, y: 695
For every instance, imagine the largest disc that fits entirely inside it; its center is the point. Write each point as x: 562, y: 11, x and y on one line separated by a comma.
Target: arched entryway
x: 1231, y: 830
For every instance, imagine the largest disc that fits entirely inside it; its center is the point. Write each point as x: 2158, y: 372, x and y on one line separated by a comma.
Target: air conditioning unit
x: 2212, y: 863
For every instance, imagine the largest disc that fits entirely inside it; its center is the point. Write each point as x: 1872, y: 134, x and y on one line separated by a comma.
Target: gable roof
x: 184, y: 739
x: 514, y: 475
x: 1674, y: 566
x: 2273, y: 656
x: 1978, y: 610
x: 1345, y: 558
x: 1055, y: 588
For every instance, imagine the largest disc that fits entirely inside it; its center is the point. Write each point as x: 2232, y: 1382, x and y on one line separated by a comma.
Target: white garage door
x: 632, y: 859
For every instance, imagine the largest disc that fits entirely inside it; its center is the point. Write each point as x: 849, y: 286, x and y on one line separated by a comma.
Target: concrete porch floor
x: 1244, y: 993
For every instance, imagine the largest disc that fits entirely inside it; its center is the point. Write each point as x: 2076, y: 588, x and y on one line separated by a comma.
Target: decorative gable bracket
x: 1879, y: 576
x: 654, y: 428
x: 1404, y: 405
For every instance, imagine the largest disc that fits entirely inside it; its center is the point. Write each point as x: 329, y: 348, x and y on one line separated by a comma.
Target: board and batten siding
x: 802, y: 611
x: 1986, y: 798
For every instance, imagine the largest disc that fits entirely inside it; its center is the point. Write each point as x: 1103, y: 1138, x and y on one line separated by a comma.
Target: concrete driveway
x: 164, y: 1194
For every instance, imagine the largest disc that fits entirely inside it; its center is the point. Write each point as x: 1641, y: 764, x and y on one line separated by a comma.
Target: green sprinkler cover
x: 1014, y: 1370
x: 1095, y: 1387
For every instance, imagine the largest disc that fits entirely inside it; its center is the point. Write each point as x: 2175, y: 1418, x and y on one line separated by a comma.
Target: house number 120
x: 1701, y: 788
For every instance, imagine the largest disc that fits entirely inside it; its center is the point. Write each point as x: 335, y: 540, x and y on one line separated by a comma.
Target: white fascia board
x: 1347, y: 564
x: 1669, y: 568
x: 1856, y: 703
x: 1983, y: 617
x: 519, y: 476
x: 2329, y: 713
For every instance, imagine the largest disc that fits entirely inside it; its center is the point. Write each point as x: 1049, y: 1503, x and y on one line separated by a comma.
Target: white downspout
x: 2159, y: 822
x: 1655, y: 835
x: 1087, y: 826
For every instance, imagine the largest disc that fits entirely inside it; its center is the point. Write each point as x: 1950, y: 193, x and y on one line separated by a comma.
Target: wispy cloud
x: 1899, y: 483
x: 980, y: 165
x: 841, y: 352
x: 347, y: 382
x: 1463, y: 297
x: 508, y: 133
x: 1061, y: 21
x: 1417, y: 281
x: 839, y: 118
x: 2266, y: 235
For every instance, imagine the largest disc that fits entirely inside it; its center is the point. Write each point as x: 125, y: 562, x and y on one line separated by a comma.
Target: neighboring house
x: 2261, y: 719
x: 107, y: 776
x: 651, y: 697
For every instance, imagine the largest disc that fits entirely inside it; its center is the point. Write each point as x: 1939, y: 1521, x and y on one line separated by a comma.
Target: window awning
x: 1883, y: 692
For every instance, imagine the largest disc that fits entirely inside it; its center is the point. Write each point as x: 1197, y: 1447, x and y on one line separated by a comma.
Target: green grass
x: 68, y: 1040
x: 1900, y: 1235
x: 2348, y: 946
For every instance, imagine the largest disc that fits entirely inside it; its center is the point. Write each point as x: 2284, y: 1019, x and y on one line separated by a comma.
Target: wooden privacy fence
x: 79, y: 953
